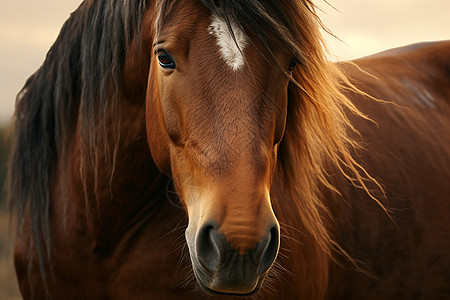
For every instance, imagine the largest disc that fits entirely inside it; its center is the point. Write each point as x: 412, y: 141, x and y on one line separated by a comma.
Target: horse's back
x: 416, y: 74
x: 407, y: 149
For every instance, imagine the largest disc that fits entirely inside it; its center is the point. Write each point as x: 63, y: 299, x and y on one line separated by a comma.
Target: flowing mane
x: 73, y: 87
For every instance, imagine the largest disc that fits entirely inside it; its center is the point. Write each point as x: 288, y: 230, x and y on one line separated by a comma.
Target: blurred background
x: 29, y: 27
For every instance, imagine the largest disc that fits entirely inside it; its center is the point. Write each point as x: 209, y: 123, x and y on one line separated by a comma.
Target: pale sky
x: 29, y: 27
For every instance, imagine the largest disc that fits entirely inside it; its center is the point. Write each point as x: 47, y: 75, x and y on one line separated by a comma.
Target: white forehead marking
x: 228, y: 48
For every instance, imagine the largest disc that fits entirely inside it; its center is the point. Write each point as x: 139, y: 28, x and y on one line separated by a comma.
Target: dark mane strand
x: 81, y: 72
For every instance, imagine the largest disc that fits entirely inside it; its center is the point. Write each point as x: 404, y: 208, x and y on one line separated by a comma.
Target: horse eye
x: 166, y: 61
x: 292, y: 65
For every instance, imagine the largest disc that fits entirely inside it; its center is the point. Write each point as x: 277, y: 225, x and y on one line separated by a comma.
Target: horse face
x: 215, y: 116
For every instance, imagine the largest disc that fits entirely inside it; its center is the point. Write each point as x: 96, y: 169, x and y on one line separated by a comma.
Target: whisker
x: 177, y: 227
x: 292, y: 239
x: 290, y: 227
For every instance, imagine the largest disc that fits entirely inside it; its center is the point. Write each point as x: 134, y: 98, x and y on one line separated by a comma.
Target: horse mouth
x: 219, y: 293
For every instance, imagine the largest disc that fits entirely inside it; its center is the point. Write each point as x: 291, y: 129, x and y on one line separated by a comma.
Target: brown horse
x: 289, y: 176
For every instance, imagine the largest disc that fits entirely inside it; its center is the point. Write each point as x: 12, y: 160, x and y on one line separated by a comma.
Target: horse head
x: 215, y: 113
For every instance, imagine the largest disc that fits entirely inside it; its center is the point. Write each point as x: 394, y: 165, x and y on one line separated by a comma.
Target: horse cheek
x: 157, y: 138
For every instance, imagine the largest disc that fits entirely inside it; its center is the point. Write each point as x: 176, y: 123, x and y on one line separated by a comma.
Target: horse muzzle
x: 221, y: 269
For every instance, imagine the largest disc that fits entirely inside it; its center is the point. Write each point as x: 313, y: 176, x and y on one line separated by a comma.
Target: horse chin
x: 213, y: 292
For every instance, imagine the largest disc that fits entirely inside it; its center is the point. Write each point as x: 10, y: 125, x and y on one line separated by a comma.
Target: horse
x: 201, y: 149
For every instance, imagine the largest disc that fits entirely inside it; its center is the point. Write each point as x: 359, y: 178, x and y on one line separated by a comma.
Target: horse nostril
x: 213, y: 250
x: 269, y: 249
x: 208, y: 251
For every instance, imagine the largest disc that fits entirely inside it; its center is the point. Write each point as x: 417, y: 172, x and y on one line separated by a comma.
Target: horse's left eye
x: 166, y: 61
x: 292, y: 65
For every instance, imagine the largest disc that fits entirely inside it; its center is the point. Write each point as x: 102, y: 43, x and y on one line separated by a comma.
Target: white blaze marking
x: 231, y: 53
